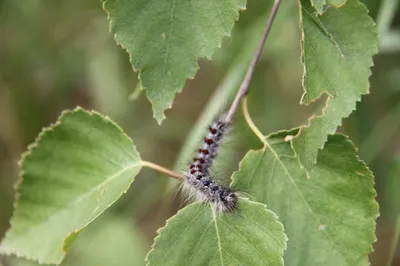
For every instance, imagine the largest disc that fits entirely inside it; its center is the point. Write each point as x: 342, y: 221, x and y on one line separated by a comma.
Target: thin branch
x: 162, y: 170
x: 244, y: 87
x: 251, y: 124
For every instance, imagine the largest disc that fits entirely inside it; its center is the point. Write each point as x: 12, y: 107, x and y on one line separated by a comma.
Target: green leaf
x: 95, y: 247
x: 74, y: 171
x: 165, y: 39
x: 336, y: 3
x: 225, y: 90
x: 198, y: 236
x: 329, y: 217
x: 337, y: 55
x: 319, y: 5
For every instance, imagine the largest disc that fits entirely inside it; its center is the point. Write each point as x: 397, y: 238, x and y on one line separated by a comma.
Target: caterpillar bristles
x: 199, y: 183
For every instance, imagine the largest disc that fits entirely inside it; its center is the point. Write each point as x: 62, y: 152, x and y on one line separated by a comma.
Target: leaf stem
x: 162, y: 170
x: 395, y: 240
x: 244, y: 87
x: 251, y: 124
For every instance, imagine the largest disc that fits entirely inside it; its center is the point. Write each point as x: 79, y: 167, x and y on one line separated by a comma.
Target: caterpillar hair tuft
x: 198, y: 179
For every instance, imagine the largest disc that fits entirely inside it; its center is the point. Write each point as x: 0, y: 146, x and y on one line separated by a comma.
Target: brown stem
x: 244, y: 87
x: 243, y: 90
x: 162, y: 170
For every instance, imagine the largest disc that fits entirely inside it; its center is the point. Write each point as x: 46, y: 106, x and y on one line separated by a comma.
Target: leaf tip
x: 159, y: 116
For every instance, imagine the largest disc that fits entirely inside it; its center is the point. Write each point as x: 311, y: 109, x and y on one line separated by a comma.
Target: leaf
x: 165, y: 38
x: 74, y: 171
x: 227, y: 88
x: 337, y: 55
x: 198, y: 236
x: 217, y: 103
x: 336, y: 3
x: 329, y: 217
x: 94, y: 246
x: 223, y: 95
x: 319, y: 5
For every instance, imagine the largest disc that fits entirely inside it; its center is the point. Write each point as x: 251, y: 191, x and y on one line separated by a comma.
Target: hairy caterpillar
x: 198, y: 179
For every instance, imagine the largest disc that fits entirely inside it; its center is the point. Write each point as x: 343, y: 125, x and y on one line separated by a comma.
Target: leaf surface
x: 337, y: 50
x: 329, y: 217
x: 197, y: 236
x: 95, y: 247
x: 166, y: 38
x: 74, y: 171
x: 319, y: 5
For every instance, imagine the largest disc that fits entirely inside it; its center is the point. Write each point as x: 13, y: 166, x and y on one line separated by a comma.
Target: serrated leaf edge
x: 326, y: 4
x: 189, y: 77
x: 161, y: 229
x: 374, y: 204
x: 330, y: 96
x: 31, y: 147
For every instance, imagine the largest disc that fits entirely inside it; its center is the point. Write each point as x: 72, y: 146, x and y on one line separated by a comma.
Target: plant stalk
x: 244, y: 87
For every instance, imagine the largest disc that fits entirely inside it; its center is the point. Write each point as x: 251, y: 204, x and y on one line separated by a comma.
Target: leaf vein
x: 302, y: 196
x: 245, y: 240
x: 218, y: 238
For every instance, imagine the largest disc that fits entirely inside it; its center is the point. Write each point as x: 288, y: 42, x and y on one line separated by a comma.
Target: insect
x: 198, y: 179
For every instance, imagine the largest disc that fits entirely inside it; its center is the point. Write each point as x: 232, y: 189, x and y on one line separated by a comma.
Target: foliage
x: 305, y: 197
x: 165, y: 39
x: 337, y: 49
x: 329, y: 216
x: 197, y: 235
x: 74, y: 171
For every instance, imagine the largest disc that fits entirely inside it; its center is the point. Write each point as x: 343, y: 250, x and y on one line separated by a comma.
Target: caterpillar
x: 198, y: 179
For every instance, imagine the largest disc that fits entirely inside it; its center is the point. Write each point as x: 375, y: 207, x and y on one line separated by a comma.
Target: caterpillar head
x: 229, y: 201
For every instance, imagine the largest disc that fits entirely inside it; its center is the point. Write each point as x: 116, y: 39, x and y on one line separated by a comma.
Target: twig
x: 162, y: 170
x: 250, y: 122
x: 244, y: 87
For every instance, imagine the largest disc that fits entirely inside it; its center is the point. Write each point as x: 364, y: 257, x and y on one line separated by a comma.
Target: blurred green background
x: 55, y: 55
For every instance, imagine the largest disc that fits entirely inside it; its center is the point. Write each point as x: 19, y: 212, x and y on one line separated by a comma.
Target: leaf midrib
x: 218, y: 238
x: 301, y: 194
x: 82, y: 197
x: 321, y: 26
